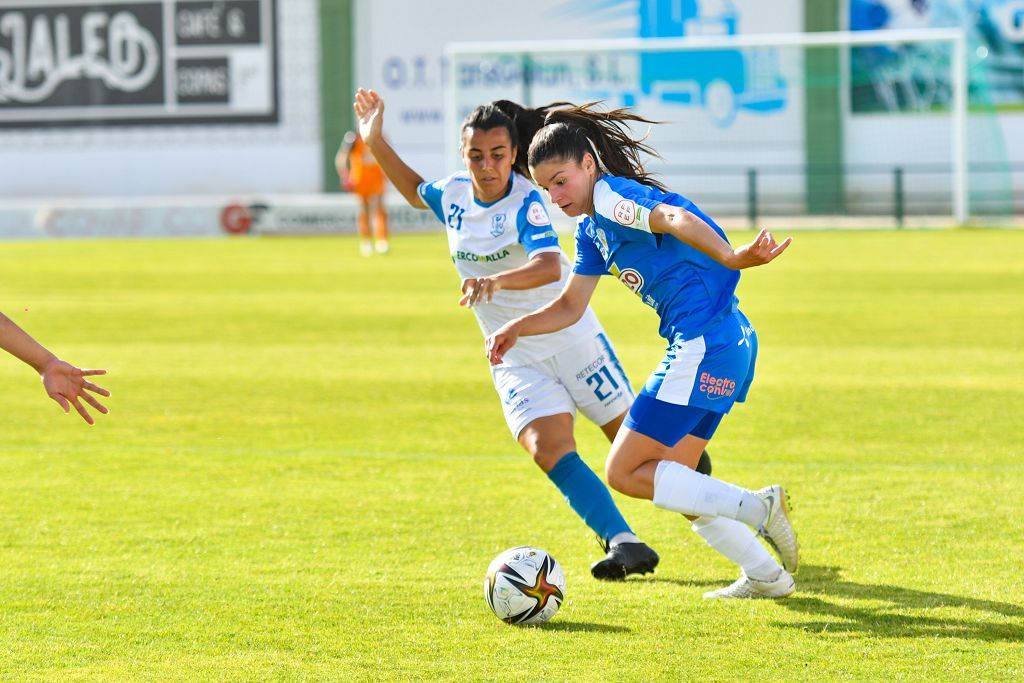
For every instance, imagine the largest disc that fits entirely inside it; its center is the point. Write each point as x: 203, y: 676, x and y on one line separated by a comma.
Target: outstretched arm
x: 557, y: 315
x: 369, y: 109
x: 688, y: 228
x: 63, y: 382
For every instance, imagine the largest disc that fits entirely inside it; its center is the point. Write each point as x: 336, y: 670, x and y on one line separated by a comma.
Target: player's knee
x: 618, y: 478
x: 546, y: 460
x: 547, y: 450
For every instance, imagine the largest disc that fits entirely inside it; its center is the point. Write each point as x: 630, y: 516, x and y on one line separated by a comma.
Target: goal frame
x: 956, y: 37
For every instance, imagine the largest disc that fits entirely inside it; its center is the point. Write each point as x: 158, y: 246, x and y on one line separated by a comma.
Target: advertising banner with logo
x: 69, y: 62
x: 899, y: 91
x: 199, y: 216
x: 907, y: 78
x: 731, y: 106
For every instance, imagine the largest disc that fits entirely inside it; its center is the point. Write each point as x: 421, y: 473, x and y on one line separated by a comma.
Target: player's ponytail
x: 527, y: 123
x: 522, y: 124
x: 572, y: 131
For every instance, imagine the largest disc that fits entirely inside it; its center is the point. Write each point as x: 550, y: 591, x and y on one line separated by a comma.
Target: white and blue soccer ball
x: 524, y: 585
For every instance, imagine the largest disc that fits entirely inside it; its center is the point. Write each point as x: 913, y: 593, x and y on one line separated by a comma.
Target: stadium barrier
x: 202, y: 216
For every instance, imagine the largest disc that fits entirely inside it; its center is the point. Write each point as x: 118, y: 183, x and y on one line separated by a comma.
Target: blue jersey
x: 690, y: 291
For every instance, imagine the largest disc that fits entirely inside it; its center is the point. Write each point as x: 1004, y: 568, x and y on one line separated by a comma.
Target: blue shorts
x: 668, y: 423
x: 697, y: 383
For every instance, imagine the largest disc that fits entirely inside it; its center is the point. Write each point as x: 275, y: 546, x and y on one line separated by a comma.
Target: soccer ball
x: 524, y: 585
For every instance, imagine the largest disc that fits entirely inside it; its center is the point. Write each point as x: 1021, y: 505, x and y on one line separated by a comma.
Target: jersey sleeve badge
x: 624, y: 212
x: 536, y: 215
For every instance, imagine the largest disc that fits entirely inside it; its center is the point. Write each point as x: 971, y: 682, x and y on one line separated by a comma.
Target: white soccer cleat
x: 776, y: 528
x: 746, y: 588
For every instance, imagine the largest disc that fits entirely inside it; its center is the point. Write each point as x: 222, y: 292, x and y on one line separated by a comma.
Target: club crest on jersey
x: 497, y: 225
x: 602, y: 243
x: 624, y: 212
x: 536, y: 215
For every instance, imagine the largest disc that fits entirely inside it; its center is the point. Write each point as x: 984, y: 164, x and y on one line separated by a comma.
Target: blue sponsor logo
x: 513, y: 401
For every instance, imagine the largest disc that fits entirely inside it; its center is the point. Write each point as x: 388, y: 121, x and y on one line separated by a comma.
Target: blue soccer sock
x: 588, y: 496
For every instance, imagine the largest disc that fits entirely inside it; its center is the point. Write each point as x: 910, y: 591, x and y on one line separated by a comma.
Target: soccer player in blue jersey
x: 678, y: 261
x: 63, y: 382
x: 508, y: 257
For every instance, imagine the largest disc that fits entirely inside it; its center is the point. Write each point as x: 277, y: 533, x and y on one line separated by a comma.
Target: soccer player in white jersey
x: 63, y: 382
x: 507, y: 254
x: 678, y: 261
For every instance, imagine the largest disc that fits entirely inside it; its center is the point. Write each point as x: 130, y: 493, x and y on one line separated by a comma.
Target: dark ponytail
x: 571, y: 131
x: 521, y: 123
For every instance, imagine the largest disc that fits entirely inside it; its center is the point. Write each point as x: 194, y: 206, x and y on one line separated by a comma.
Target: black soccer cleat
x: 625, y: 559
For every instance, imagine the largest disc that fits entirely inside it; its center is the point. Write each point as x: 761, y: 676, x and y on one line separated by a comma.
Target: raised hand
x: 66, y: 385
x: 762, y: 250
x: 369, y: 109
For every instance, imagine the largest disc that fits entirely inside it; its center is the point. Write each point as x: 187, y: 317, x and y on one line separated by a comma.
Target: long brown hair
x: 563, y: 130
x: 571, y: 131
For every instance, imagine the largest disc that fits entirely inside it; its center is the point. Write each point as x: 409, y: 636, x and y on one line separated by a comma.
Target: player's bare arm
x: 567, y: 309
x: 369, y: 110
x: 542, y: 269
x: 688, y: 228
x: 63, y: 382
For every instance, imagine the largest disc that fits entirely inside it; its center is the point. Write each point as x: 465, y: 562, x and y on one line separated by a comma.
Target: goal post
x: 753, y: 122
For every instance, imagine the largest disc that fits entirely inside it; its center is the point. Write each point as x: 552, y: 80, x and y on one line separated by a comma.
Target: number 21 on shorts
x: 596, y: 382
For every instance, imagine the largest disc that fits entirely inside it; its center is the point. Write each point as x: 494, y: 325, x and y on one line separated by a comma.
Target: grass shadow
x: 897, y: 612
x: 688, y: 583
x: 571, y: 626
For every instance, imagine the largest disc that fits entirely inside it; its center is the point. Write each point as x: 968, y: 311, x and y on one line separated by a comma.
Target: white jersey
x: 486, y: 239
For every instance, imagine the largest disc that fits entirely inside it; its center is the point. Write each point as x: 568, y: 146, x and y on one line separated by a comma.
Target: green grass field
x: 305, y: 472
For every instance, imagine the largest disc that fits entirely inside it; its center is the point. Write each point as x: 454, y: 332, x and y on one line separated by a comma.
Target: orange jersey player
x: 360, y: 173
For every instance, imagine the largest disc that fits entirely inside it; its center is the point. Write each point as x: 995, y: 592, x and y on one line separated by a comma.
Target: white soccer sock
x: 680, y: 489
x: 623, y: 537
x: 738, y: 543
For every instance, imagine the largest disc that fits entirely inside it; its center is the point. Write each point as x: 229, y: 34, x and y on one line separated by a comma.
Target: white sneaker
x: 746, y: 588
x: 382, y: 246
x: 366, y: 248
x: 776, y: 528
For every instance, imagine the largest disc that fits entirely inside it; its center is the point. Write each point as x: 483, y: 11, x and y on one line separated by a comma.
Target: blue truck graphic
x: 721, y: 81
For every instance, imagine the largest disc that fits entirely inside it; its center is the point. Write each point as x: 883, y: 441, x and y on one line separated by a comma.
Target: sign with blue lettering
x: 120, y: 62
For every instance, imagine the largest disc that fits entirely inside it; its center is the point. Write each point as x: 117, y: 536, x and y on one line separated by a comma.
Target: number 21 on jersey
x: 455, y: 216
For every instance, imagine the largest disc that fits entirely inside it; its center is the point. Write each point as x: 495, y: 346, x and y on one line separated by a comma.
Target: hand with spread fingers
x: 762, y: 250
x: 369, y: 110
x: 68, y: 386
x: 63, y: 382
x: 478, y: 290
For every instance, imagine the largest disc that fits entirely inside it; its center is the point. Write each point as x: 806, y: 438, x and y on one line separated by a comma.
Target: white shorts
x: 586, y: 376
